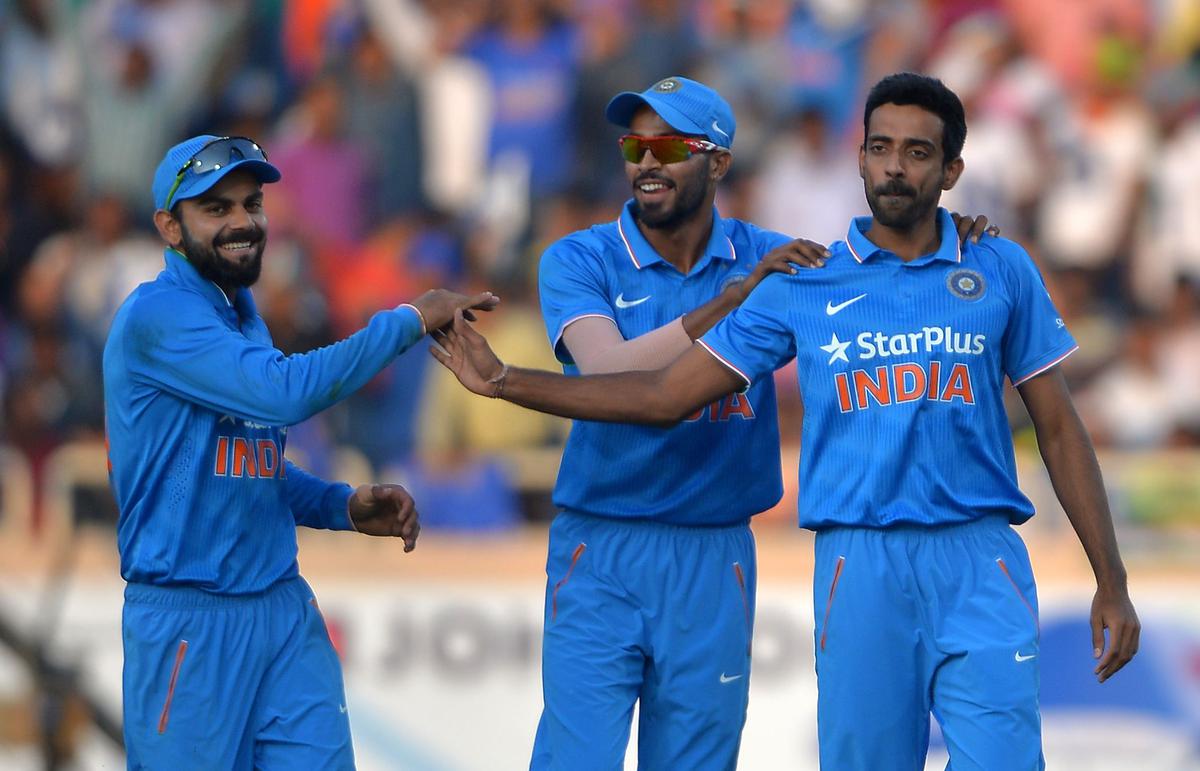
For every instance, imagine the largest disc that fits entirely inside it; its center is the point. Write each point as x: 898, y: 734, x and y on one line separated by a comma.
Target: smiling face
x: 223, y: 231
x: 668, y: 195
x: 902, y: 165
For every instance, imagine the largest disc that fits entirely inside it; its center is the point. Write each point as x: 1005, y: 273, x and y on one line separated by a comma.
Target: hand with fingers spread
x: 467, y: 354
x: 1113, y: 611
x: 437, y: 306
x: 799, y: 253
x: 385, y: 510
x: 973, y: 228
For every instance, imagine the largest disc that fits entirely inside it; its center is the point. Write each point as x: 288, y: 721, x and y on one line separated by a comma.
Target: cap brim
x: 621, y: 109
x: 198, y: 184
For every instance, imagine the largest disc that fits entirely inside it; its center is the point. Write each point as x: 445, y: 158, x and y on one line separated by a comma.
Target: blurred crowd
x: 446, y: 142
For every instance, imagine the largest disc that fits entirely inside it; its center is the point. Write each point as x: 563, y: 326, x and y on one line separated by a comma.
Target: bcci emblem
x: 965, y: 284
x: 736, y: 278
x: 666, y: 86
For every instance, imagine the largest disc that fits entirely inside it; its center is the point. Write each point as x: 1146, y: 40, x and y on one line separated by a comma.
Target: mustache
x: 895, y: 187
x: 253, y: 235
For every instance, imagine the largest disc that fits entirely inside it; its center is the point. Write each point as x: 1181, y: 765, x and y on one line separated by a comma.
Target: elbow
x: 665, y: 412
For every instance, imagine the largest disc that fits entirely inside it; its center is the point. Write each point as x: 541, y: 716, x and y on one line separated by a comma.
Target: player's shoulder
x: 745, y: 235
x: 591, y: 245
x: 163, y: 303
x: 995, y: 250
x: 999, y: 256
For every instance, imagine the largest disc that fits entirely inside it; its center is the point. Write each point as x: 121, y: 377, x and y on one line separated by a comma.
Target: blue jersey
x: 901, y: 367
x: 197, y: 404
x: 719, y: 466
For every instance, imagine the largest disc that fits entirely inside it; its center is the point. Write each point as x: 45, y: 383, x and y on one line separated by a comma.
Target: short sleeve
x: 755, y: 340
x: 1036, y: 338
x: 571, y: 285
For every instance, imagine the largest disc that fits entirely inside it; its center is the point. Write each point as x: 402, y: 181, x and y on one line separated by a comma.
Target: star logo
x: 836, y: 350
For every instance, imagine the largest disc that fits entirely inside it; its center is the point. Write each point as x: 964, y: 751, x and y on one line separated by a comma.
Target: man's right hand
x: 437, y: 306
x: 467, y: 354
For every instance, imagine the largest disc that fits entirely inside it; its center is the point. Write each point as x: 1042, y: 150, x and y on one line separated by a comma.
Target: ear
x: 951, y: 173
x: 862, y: 162
x: 168, y: 228
x: 720, y: 165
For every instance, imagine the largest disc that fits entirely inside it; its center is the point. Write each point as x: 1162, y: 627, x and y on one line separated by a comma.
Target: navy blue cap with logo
x: 687, y: 105
x: 193, y: 166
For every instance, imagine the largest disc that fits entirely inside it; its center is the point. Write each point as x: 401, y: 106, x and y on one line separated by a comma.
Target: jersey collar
x: 641, y: 253
x: 863, y: 249
x: 186, y: 274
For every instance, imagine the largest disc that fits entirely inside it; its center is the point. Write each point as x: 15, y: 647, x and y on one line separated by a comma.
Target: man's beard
x: 905, y: 216
x: 208, y: 263
x: 688, y: 200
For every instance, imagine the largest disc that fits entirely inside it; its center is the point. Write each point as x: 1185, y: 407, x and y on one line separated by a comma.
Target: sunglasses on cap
x: 666, y: 149
x: 215, y: 156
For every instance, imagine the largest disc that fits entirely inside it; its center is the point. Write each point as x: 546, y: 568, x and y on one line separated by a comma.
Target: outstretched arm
x: 1075, y: 474
x: 658, y: 397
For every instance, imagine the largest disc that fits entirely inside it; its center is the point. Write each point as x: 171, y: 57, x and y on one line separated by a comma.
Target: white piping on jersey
x: 628, y: 248
x: 1040, y: 370
x: 638, y: 265
x: 563, y: 329
x: 957, y: 251
x: 726, y: 362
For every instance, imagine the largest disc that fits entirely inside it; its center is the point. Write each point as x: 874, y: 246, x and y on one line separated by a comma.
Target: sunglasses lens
x: 632, y: 149
x: 670, y: 150
x: 223, y: 152
x: 665, y: 149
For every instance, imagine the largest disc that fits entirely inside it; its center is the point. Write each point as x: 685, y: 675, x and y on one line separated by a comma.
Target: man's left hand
x: 1113, y: 610
x: 973, y: 228
x: 385, y: 510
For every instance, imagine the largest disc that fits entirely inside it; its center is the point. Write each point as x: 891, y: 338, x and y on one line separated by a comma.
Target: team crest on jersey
x: 966, y: 284
x: 736, y: 278
x: 666, y: 86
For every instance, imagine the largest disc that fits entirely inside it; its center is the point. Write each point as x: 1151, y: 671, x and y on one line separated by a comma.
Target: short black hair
x: 929, y: 94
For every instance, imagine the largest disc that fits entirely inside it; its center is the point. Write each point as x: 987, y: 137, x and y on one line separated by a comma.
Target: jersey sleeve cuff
x: 727, y: 363
x: 336, y: 507
x: 1042, y: 368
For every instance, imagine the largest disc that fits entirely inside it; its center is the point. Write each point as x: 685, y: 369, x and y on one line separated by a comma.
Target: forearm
x: 704, y: 318
x: 598, y: 348
x: 627, y: 397
x: 1075, y: 475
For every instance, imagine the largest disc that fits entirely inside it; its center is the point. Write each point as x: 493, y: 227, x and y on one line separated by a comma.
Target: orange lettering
x: 910, y: 381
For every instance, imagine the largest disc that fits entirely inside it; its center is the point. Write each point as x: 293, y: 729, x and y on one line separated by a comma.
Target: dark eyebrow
x: 907, y: 141
x: 206, y: 199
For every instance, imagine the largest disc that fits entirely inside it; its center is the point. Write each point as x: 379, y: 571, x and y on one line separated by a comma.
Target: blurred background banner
x: 446, y: 143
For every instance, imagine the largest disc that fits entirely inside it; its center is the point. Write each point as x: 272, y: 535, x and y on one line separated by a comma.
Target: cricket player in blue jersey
x: 651, y: 567
x: 228, y: 664
x: 923, y: 593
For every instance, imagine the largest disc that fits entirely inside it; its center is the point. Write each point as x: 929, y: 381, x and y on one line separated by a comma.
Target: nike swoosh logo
x: 623, y: 303
x: 1019, y: 657
x: 729, y: 678
x: 831, y: 309
x: 719, y: 130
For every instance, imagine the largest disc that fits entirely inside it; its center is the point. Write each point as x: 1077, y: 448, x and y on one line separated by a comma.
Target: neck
x: 684, y: 244
x: 908, y: 244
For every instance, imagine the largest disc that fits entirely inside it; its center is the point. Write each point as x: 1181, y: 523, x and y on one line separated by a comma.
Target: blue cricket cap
x: 690, y: 107
x: 194, y: 182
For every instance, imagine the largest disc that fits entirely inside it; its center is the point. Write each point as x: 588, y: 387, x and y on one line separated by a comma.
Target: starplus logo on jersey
x: 929, y: 340
x: 908, y: 381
